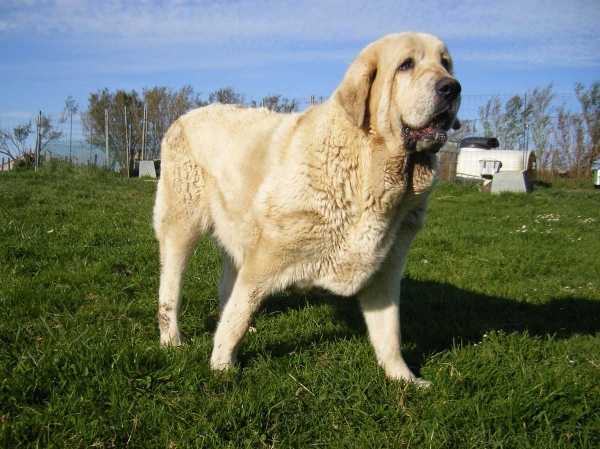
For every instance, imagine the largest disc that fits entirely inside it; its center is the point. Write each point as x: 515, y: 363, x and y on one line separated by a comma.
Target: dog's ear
x: 456, y: 124
x: 353, y: 92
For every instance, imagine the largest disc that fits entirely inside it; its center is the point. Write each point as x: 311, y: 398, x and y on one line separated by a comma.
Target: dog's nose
x: 448, y: 88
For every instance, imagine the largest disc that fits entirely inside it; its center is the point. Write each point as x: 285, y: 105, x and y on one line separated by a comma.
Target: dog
x: 330, y: 198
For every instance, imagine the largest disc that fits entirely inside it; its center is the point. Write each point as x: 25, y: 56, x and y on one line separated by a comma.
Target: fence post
x: 126, y: 143
x: 71, y: 140
x: 106, y: 135
x: 525, y: 132
x: 144, y: 127
x: 38, y: 139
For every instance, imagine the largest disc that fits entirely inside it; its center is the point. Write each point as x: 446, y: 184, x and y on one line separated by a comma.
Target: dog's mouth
x: 430, y: 138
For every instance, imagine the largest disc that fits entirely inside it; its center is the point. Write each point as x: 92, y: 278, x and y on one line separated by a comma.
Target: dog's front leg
x: 380, y: 303
x: 245, y: 299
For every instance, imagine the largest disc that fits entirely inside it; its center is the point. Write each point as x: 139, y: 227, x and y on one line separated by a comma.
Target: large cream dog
x: 330, y: 198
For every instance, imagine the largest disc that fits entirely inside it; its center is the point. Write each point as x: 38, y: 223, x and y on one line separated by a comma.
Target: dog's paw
x: 421, y: 383
x: 403, y: 374
x: 220, y: 364
x: 174, y: 341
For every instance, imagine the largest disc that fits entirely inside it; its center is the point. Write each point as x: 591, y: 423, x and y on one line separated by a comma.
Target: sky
x: 52, y: 49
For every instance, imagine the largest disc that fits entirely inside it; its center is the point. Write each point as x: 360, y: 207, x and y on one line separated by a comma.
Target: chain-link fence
x: 115, y: 139
x: 561, y: 149
x: 62, y: 138
x: 557, y: 146
x: 556, y: 135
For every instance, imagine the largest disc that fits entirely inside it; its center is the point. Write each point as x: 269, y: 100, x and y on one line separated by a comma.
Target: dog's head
x: 401, y: 87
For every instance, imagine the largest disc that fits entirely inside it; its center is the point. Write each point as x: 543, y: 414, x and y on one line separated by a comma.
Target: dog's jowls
x: 330, y: 198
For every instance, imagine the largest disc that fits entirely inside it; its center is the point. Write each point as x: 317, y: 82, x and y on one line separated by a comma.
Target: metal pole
x: 38, y: 139
x: 106, y: 134
x: 525, y: 133
x: 71, y: 141
x: 143, y: 134
x: 144, y: 130
x: 129, y: 153
x: 525, y: 121
x: 126, y: 144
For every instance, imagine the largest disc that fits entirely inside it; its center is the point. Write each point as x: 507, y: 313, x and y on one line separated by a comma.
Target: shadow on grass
x: 435, y: 315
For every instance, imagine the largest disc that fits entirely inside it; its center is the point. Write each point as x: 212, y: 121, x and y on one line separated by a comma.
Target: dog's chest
x: 353, y: 255
x: 367, y: 241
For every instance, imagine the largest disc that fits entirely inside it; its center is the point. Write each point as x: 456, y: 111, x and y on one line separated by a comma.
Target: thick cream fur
x: 328, y: 198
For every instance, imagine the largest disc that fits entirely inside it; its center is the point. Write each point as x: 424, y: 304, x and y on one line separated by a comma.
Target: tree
x: 227, y: 95
x: 490, y: 116
x: 49, y: 131
x: 562, y: 139
x: 125, y: 131
x: 512, y: 126
x: 467, y: 128
x: 539, y: 123
x: 590, y: 106
x: 70, y: 108
x: 93, y: 119
x: 508, y: 125
x: 568, y: 145
x: 16, y: 142
x: 164, y: 106
x: 275, y: 102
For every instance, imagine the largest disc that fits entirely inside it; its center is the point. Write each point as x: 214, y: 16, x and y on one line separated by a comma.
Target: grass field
x: 500, y: 310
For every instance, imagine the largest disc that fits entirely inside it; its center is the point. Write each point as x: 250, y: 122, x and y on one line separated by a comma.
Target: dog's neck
x: 359, y: 166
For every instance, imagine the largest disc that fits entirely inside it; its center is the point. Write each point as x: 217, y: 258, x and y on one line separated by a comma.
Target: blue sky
x: 50, y: 49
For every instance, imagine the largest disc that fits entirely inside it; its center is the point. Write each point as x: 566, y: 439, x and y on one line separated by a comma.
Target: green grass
x: 501, y: 311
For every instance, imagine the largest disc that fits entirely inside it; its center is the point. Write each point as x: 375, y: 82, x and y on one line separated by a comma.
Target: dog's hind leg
x: 176, y: 245
x: 175, y: 254
x: 181, y: 218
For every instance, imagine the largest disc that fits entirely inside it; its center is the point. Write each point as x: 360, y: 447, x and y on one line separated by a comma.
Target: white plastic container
x: 469, y: 163
x: 477, y: 163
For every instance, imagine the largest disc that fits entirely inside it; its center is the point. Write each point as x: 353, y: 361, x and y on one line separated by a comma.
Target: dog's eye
x: 406, y: 65
x: 446, y: 63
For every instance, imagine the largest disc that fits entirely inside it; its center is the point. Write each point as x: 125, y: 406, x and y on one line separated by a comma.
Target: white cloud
x: 15, y: 115
x: 204, y: 21
x: 531, y: 54
x: 227, y: 30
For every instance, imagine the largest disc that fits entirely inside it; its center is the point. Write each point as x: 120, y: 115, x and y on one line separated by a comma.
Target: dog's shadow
x: 435, y: 316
